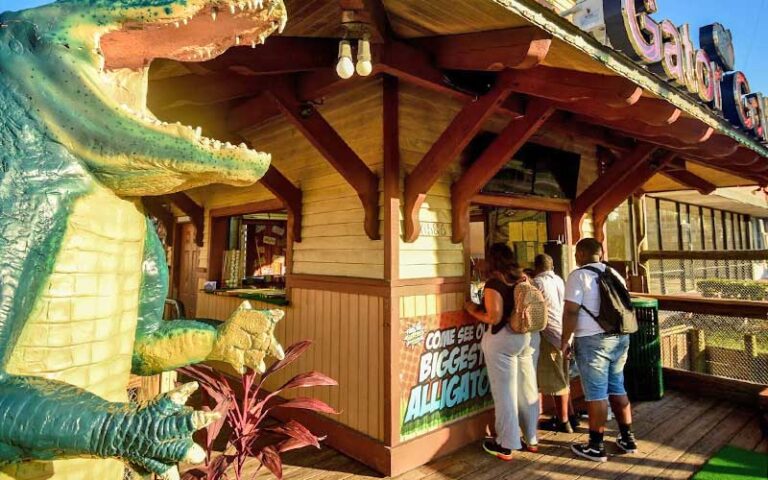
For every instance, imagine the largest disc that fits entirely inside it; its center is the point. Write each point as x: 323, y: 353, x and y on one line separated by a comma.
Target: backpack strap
x: 598, y: 272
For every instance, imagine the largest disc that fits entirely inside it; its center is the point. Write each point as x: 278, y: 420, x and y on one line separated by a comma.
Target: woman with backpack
x: 508, y: 357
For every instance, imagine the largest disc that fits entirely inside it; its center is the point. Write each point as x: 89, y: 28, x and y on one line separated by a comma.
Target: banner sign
x: 442, y: 372
x: 707, y: 72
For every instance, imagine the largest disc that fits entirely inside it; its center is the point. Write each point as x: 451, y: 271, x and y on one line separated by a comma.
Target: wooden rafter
x: 208, y: 89
x: 336, y: 151
x: 195, y: 212
x: 498, y: 153
x: 564, y: 125
x: 252, y: 112
x: 495, y: 50
x: 616, y: 173
x: 690, y: 179
x: 277, y: 55
x: 647, y: 110
x: 617, y: 193
x: 444, y: 151
x: 686, y: 131
x: 282, y: 188
x: 561, y: 85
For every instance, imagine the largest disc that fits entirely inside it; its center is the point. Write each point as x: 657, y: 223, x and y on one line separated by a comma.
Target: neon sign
x: 707, y: 72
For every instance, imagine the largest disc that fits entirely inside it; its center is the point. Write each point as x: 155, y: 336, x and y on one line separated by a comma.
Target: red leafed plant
x: 245, y: 409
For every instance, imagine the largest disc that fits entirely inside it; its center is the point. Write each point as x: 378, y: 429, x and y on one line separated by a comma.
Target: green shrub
x: 739, y: 289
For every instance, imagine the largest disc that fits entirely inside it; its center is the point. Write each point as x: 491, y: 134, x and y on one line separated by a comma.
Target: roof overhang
x: 744, y: 200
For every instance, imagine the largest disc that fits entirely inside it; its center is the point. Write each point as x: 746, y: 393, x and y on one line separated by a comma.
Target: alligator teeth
x: 253, y: 43
x: 237, y: 39
x: 242, y: 6
x: 198, y: 133
x: 176, y: 24
x: 217, y: 144
x: 213, y: 14
x: 243, y: 146
x: 186, y: 21
x: 232, y: 8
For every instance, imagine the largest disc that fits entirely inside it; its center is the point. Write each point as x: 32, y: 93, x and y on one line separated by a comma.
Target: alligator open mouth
x: 194, y: 31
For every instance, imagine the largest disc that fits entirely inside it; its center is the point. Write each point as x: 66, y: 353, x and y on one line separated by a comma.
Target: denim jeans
x: 601, y: 360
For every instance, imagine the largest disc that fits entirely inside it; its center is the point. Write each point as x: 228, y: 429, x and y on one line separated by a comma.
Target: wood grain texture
x: 347, y: 331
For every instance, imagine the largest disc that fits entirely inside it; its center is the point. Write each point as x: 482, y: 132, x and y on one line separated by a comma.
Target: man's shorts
x: 601, y: 360
x: 552, y: 370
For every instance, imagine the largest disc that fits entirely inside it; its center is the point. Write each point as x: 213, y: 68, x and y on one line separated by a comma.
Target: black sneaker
x: 627, y: 444
x: 590, y: 452
x: 497, y: 450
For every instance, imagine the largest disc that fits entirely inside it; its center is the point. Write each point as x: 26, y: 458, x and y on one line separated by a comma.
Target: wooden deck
x: 676, y: 436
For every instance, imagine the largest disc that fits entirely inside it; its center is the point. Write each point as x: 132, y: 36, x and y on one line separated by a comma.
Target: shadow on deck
x: 676, y: 436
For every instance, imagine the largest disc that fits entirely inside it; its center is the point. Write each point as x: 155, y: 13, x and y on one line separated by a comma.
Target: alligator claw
x: 171, y: 474
x: 180, y: 395
x: 201, y: 419
x: 195, y: 454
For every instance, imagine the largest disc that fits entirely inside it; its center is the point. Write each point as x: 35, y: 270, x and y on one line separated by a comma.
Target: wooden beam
x: 691, y: 180
x: 688, y: 131
x: 647, y: 110
x: 263, y: 206
x: 278, y: 55
x: 336, y: 151
x: 415, y: 67
x: 282, y: 188
x: 155, y: 207
x: 520, y: 202
x: 617, y: 172
x: 498, y: 153
x: 444, y: 151
x: 391, y: 137
x: 495, y: 50
x: 561, y: 85
x: 205, y: 90
x: 195, y: 212
x: 565, y: 126
x: 618, y: 192
x: 252, y: 112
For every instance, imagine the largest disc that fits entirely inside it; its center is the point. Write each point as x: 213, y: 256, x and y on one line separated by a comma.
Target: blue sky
x: 747, y: 19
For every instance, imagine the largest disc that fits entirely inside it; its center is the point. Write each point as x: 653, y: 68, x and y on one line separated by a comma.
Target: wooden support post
x: 330, y: 144
x: 620, y: 170
x: 453, y: 140
x: 697, y: 349
x: 509, y: 141
x: 195, y: 212
x: 282, y: 188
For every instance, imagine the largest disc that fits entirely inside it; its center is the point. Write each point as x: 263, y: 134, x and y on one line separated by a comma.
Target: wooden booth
x: 482, y: 120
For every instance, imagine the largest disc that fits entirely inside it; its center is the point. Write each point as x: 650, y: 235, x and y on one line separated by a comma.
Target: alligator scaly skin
x: 83, y: 278
x: 82, y: 327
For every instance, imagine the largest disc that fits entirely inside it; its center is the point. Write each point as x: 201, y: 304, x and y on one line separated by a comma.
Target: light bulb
x: 345, y: 68
x: 364, y: 65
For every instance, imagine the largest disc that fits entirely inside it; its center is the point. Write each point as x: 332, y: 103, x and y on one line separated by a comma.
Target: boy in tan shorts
x: 552, y: 369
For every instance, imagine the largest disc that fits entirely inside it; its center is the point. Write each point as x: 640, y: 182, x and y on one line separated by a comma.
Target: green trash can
x: 643, y: 371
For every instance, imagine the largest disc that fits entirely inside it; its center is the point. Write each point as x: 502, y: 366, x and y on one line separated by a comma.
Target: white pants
x: 509, y: 359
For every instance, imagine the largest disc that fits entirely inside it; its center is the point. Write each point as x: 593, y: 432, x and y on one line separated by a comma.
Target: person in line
x: 552, y: 370
x: 508, y: 358
x: 600, y: 356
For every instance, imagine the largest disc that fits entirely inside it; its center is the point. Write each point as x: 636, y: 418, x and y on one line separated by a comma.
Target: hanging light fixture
x: 345, y: 68
x: 364, y: 65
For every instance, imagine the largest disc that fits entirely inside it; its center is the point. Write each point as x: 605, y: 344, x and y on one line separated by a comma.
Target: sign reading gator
x: 443, y: 376
x: 707, y: 72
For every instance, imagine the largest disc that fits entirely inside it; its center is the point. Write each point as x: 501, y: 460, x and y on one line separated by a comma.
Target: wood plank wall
x: 424, y: 115
x: 348, y: 334
x: 333, y: 238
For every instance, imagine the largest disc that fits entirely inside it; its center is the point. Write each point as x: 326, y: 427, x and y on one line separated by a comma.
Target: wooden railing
x: 715, y: 347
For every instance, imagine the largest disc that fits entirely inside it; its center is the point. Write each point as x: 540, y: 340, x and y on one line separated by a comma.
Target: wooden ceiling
x: 590, y: 101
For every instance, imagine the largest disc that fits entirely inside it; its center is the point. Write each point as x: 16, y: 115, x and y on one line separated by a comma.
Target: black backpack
x: 617, y: 315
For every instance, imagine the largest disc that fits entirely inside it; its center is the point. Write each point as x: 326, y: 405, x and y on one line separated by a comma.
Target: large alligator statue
x: 83, y: 276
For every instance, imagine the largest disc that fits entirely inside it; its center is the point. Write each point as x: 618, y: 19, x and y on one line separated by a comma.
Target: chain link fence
x: 709, y: 277
x: 725, y: 346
